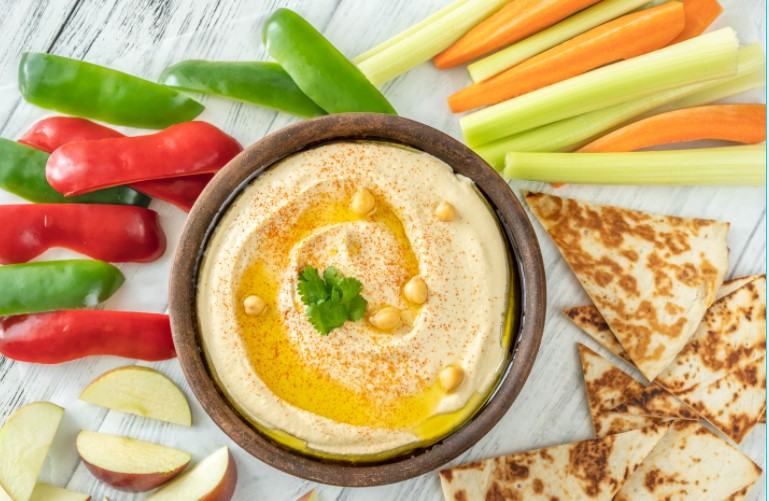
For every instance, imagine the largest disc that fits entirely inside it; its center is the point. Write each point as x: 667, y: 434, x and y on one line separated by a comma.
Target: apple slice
x: 24, y: 443
x: 141, y: 391
x: 212, y: 479
x: 48, y: 492
x: 129, y: 464
x: 309, y: 496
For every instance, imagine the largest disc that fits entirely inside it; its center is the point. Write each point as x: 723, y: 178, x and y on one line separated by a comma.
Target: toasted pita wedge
x: 592, y: 469
x: 590, y: 321
x: 652, y: 277
x: 690, y: 463
x: 607, y: 386
x: 655, y: 401
x: 735, y: 403
x: 739, y: 495
x: 731, y: 336
x: 733, y: 284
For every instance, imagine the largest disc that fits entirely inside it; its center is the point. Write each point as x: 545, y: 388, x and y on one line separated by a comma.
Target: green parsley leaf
x: 311, y: 287
x: 332, y: 277
x: 356, y: 307
x: 328, y: 315
x: 331, y: 300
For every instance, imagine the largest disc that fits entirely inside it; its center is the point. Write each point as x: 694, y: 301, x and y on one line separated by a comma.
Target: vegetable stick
x: 565, y: 30
x: 516, y: 21
x: 410, y: 31
x: 706, y: 57
x: 699, y: 15
x: 571, y: 133
x: 731, y: 165
x: 405, y: 51
x: 626, y: 37
x: 740, y: 123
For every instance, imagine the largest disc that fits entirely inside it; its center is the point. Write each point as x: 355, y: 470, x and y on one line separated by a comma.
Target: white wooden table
x: 144, y: 36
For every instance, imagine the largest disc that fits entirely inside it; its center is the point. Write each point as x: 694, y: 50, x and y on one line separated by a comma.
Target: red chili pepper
x: 113, y: 233
x: 50, y: 133
x: 181, y: 150
x: 60, y: 336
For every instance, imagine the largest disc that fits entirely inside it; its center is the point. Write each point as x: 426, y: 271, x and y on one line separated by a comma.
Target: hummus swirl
x: 358, y: 391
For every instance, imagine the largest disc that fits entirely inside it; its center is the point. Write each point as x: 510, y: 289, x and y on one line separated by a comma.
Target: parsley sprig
x: 331, y: 300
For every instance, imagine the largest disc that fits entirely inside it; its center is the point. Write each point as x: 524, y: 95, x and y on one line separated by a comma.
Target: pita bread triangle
x: 652, y: 277
x: 590, y: 321
x: 607, y: 386
x: 589, y: 470
x: 690, y: 463
x: 732, y: 335
x: 735, y: 403
x: 655, y: 401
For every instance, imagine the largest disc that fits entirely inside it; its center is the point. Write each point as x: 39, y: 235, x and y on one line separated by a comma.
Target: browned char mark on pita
x: 448, y: 474
x: 588, y: 462
x: 587, y: 316
x: 656, y: 401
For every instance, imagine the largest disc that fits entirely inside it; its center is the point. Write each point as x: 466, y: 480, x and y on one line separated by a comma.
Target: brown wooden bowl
x: 229, y: 183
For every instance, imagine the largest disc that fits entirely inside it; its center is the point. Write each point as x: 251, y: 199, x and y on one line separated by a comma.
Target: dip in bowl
x: 445, y: 261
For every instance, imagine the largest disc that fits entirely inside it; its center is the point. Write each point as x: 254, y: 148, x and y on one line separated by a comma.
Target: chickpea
x: 415, y: 290
x: 363, y: 202
x: 254, y: 305
x: 445, y: 212
x: 386, y: 319
x: 451, y: 378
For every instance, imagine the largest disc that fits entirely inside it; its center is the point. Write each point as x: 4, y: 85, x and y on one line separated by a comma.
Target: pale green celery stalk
x: 706, y: 57
x: 549, y: 38
x: 430, y: 40
x: 731, y: 165
x: 571, y: 133
x: 410, y: 31
x: 751, y: 74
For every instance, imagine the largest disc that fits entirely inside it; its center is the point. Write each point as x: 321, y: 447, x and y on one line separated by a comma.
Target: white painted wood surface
x: 144, y: 36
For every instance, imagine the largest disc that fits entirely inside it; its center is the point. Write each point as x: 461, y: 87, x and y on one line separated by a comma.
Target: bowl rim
x: 227, y: 185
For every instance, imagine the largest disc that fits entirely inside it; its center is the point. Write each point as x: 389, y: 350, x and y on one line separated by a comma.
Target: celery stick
x: 731, y: 165
x: 421, y: 45
x: 574, y: 132
x: 709, y: 56
x: 749, y: 81
x: 409, y: 31
x: 549, y: 38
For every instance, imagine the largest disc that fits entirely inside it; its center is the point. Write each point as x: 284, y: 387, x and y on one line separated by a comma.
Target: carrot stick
x: 741, y: 123
x: 698, y: 14
x: 623, y: 38
x: 515, y: 21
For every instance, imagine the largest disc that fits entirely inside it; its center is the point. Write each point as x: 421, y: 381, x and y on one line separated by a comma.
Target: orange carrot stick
x: 741, y: 123
x: 515, y: 21
x: 623, y: 38
x: 698, y: 14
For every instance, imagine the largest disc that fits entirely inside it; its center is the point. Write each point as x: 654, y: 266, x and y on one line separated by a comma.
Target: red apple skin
x: 226, y: 488
x: 133, y: 482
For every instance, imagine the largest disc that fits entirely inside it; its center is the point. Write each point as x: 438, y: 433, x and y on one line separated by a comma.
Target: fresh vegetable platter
x: 146, y: 39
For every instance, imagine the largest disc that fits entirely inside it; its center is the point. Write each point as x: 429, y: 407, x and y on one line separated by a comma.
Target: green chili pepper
x: 318, y: 68
x: 22, y: 172
x: 56, y: 285
x: 265, y: 84
x: 91, y: 91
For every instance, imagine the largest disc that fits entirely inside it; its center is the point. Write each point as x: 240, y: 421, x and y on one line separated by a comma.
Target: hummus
x: 358, y: 392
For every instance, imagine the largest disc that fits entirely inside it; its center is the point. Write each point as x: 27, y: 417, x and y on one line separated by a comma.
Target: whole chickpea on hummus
x: 435, y: 275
